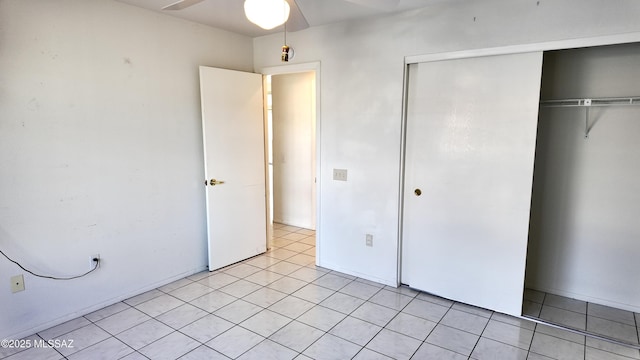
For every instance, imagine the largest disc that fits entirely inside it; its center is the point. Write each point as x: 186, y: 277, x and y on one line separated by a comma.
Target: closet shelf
x: 618, y: 101
x: 588, y: 103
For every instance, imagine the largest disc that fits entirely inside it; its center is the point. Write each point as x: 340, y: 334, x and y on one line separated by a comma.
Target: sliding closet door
x: 470, y: 144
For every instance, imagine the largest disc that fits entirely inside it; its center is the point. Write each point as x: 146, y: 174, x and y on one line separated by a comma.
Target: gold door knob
x: 214, y: 182
x: 418, y: 192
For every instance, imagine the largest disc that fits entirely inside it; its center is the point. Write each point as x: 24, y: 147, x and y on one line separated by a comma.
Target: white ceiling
x: 229, y: 14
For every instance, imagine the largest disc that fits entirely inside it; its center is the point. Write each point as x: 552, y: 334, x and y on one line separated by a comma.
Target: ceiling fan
x: 297, y: 20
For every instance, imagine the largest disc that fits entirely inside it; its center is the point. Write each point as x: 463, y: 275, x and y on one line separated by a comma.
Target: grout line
x: 635, y: 318
x: 586, y: 325
x: 504, y: 343
x: 440, y: 323
x: 559, y: 308
x: 480, y: 336
x: 585, y: 332
x: 533, y: 334
x: 384, y: 327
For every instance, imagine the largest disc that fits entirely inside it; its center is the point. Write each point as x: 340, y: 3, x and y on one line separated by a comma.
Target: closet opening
x: 583, y: 256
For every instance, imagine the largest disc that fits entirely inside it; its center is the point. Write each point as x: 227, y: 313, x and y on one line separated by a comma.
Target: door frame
x: 293, y: 69
x: 625, y: 38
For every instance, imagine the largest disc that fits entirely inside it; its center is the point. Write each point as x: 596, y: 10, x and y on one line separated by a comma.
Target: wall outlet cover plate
x: 17, y: 283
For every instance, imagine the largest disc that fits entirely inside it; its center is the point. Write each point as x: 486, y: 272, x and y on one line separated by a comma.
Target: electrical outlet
x: 369, y: 240
x: 340, y: 174
x: 17, y: 283
x: 92, y: 264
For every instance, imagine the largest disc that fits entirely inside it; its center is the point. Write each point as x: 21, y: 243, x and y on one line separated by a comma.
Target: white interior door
x: 470, y: 145
x: 233, y: 130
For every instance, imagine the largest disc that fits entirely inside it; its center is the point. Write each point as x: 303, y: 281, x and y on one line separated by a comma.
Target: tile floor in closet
x: 281, y: 306
x: 617, y: 324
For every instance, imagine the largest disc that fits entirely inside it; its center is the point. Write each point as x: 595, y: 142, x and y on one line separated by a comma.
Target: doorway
x: 234, y: 122
x: 291, y: 128
x: 291, y: 148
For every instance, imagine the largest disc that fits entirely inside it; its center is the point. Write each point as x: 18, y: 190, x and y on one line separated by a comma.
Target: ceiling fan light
x: 267, y: 13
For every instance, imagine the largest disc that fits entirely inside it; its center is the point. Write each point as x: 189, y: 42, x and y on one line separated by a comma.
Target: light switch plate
x: 340, y: 174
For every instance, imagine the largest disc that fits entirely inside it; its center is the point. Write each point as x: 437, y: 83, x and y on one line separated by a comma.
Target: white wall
x: 361, y: 102
x: 294, y: 149
x: 584, y: 238
x: 100, y: 152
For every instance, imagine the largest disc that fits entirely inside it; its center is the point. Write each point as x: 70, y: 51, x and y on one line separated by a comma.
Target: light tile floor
x: 592, y: 318
x: 281, y: 306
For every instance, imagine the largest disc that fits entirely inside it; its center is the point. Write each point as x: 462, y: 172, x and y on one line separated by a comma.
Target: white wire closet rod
x: 618, y: 101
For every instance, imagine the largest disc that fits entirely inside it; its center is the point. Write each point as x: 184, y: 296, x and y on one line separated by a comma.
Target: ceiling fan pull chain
x: 284, y: 57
